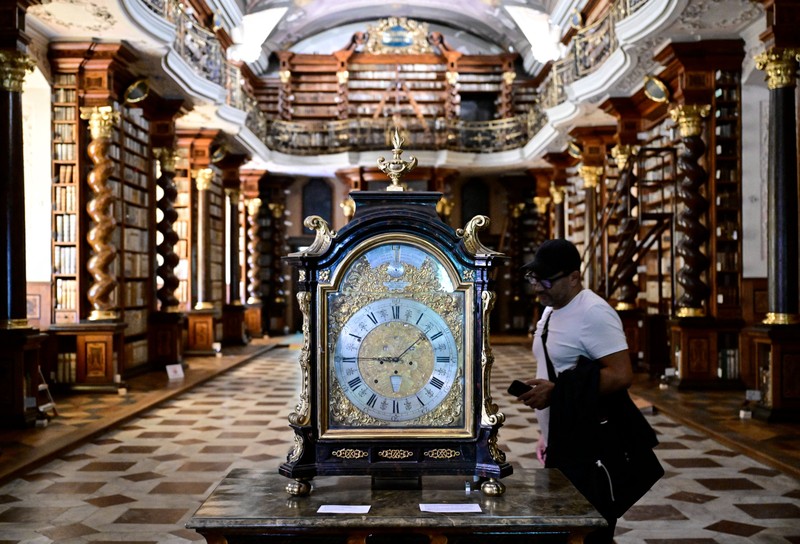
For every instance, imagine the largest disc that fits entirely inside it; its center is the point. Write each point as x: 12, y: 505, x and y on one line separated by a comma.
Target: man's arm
x: 615, y: 372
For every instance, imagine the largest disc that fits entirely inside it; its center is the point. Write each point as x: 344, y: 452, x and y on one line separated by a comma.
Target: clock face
x: 396, y: 359
x: 395, y: 319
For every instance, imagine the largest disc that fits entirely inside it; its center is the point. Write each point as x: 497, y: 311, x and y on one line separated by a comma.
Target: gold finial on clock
x: 397, y: 167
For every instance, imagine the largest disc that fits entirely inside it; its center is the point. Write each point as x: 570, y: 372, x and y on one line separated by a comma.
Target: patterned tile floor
x: 141, y: 480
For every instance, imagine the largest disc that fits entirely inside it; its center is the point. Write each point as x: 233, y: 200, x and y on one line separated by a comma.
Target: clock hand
x: 396, y: 359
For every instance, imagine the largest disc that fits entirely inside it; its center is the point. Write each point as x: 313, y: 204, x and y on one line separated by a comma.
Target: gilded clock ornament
x: 396, y: 362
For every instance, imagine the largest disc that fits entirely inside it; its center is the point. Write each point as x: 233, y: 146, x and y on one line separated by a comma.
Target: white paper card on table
x: 343, y: 509
x: 175, y: 372
x: 451, y: 508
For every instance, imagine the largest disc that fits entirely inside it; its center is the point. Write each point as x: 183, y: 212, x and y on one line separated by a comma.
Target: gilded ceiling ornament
x: 398, y: 35
x: 102, y: 120
x: 690, y: 118
x: 13, y: 66
x: 780, y: 65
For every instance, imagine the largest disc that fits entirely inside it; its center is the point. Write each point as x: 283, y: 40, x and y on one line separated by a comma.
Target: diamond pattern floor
x: 143, y: 479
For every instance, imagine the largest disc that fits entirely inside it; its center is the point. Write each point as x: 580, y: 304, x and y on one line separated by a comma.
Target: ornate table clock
x: 396, y: 361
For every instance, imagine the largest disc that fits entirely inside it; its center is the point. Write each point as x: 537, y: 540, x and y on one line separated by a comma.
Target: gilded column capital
x: 780, y: 65
x: 541, y: 203
x: 285, y: 76
x: 277, y: 209
x: 348, y: 207
x: 509, y: 77
x: 341, y: 76
x: 13, y: 65
x: 167, y: 157
x: 253, y: 205
x: 517, y: 209
x: 591, y: 176
x: 622, y: 154
x: 451, y: 77
x: 557, y: 194
x: 102, y: 120
x: 232, y: 193
x: 203, y: 179
x: 690, y: 118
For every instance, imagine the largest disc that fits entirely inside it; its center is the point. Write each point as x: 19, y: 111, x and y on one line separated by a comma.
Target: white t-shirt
x: 587, y: 326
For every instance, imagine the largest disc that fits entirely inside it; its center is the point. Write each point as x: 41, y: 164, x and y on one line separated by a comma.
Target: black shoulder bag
x: 602, y: 444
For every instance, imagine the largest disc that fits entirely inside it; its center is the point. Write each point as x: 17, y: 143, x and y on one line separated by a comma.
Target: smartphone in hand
x: 517, y: 388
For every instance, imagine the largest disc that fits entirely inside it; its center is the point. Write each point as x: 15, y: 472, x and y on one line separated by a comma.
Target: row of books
x: 64, y: 151
x: 136, y: 321
x: 64, y: 260
x: 67, y: 173
x: 135, y: 216
x: 135, y: 240
x: 64, y: 113
x: 136, y: 353
x: 136, y: 265
x: 66, y: 294
x: 134, y: 293
x: 65, y: 372
x: 135, y: 196
x: 66, y: 229
x: 135, y: 177
x: 64, y: 199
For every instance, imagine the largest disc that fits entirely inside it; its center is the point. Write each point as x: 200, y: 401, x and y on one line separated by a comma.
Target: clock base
x: 396, y: 482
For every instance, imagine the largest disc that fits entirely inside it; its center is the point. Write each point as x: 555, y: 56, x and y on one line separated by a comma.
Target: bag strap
x: 551, y: 371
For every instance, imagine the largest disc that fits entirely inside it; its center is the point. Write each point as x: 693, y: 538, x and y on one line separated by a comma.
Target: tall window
x: 317, y: 200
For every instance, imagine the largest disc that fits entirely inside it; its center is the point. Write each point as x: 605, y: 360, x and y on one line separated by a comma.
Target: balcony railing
x: 325, y: 137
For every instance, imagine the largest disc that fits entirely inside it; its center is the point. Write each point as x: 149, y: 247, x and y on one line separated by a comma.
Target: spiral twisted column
x: 591, y: 176
x: 782, y: 193
x: 628, y: 229
x: 101, y: 124
x: 691, y: 179
x: 166, y: 249
x: 253, y: 252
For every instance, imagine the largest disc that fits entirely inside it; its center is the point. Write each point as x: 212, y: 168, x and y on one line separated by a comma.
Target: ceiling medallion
x: 398, y: 35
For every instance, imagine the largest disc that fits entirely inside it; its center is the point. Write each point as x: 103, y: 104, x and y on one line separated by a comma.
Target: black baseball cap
x: 554, y: 257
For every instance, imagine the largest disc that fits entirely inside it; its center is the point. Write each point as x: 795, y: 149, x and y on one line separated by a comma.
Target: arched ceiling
x: 306, y: 19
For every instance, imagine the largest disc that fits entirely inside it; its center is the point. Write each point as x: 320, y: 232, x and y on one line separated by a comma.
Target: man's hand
x: 539, y: 396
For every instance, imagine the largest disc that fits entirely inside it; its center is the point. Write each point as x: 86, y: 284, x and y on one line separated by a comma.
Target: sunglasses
x: 548, y: 282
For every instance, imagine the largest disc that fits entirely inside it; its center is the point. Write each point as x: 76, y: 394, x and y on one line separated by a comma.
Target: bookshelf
x: 69, y: 248
x: 725, y: 197
x: 200, y: 226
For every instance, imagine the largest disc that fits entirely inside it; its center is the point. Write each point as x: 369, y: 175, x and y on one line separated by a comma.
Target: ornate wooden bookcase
x: 103, y: 205
x: 201, y: 245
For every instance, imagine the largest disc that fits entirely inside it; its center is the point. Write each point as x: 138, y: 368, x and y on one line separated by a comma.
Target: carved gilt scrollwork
x: 301, y: 414
x: 349, y: 453
x: 490, y: 415
x: 323, y: 238
x: 395, y: 454
x: 470, y: 236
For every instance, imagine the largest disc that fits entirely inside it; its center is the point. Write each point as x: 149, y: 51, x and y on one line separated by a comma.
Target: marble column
x: 782, y: 193
x: 234, y: 296
x: 591, y: 177
x: 203, y: 183
x: 102, y: 120
x: 13, y: 306
x: 694, y: 234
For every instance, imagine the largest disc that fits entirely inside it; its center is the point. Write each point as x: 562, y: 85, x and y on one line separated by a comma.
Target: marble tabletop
x: 256, y: 501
